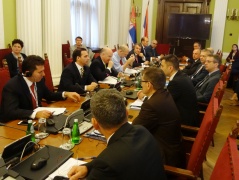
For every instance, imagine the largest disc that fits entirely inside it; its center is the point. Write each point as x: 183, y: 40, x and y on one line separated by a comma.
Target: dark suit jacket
x: 199, y: 76
x: 99, y: 71
x: 132, y: 153
x: 16, y: 98
x: 150, y: 52
x: 205, y: 91
x: 184, y: 95
x: 72, y: 81
x: 143, y: 50
x: 160, y: 116
x: 190, y: 69
x: 135, y: 63
x: 12, y: 64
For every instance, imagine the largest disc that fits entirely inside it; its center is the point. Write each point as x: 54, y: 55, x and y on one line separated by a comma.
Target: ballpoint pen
x: 87, y: 158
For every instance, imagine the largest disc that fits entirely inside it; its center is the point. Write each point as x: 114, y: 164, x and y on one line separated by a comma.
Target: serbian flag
x: 146, y: 22
x: 132, y: 26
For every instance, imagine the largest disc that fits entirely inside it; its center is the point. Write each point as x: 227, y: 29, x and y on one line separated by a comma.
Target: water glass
x: 41, y: 129
x: 66, y: 139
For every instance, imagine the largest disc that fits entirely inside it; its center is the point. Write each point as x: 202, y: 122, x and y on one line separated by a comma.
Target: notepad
x: 136, y: 104
x: 109, y: 80
x: 55, y: 111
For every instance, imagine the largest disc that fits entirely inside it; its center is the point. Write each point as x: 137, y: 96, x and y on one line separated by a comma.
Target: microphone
x: 78, y: 114
x: 2, y: 124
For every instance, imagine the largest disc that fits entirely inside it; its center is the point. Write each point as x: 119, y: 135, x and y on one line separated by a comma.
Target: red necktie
x: 34, y: 103
x: 136, y: 58
x: 121, y: 62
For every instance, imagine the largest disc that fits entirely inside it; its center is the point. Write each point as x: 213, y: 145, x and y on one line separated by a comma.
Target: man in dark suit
x: 23, y: 93
x: 204, y: 88
x: 182, y: 90
x: 159, y: 114
x: 102, y: 66
x: 15, y: 58
x: 131, y: 152
x: 200, y: 72
x: 143, y: 45
x: 76, y: 77
x: 139, y: 56
x: 191, y: 68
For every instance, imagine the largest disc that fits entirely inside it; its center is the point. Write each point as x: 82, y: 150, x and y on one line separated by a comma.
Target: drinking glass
x: 41, y: 129
x: 66, y: 139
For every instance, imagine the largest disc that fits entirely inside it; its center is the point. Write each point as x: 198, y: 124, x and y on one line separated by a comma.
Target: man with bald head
x: 102, y: 66
x: 119, y: 59
x: 151, y: 50
x: 190, y: 69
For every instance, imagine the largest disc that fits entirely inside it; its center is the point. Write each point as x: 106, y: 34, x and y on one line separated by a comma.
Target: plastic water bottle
x: 75, y: 136
x: 30, y: 130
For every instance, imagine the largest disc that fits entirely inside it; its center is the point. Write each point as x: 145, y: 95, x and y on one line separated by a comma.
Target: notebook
x: 57, y: 157
x: 15, y: 148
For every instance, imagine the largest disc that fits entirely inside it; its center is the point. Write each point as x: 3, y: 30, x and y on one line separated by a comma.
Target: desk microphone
x: 2, y: 124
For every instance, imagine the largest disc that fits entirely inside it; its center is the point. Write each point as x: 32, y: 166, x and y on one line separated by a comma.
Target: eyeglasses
x: 144, y: 81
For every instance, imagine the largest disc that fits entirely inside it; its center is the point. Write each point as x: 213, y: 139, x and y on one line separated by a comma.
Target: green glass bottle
x: 30, y: 130
x: 75, y: 133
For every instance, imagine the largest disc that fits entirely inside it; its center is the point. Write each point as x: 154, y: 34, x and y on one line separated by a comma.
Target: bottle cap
x: 29, y: 121
x: 75, y: 120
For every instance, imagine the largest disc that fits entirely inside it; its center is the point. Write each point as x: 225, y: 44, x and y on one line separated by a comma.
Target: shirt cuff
x: 85, y: 88
x: 63, y: 94
x: 33, y: 115
x: 109, y: 69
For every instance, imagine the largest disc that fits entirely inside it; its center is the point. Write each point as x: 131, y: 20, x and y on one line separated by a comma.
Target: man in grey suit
x: 131, y: 152
x: 204, y: 88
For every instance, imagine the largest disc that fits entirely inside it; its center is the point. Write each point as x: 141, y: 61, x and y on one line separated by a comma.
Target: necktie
x: 81, y: 72
x: 121, y: 62
x: 33, y: 95
x: 202, y: 82
x: 136, y: 58
x: 197, y: 71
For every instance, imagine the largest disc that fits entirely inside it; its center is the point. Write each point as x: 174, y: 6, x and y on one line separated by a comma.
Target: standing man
x: 76, y: 77
x: 131, y: 152
x: 204, y: 88
x: 139, y: 57
x: 79, y: 45
x: 160, y: 116
x: 191, y: 68
x: 120, y: 61
x: 182, y: 90
x: 24, y: 92
x: 102, y: 66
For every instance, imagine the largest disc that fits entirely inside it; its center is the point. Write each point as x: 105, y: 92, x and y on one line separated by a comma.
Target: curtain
x: 2, y: 46
x: 84, y: 21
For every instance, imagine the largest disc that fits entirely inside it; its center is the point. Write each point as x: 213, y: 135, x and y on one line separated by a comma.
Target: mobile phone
x: 25, y: 123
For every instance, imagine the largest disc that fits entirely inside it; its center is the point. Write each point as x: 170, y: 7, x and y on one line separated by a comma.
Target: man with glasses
x: 119, y: 59
x: 160, y: 116
x: 204, y: 88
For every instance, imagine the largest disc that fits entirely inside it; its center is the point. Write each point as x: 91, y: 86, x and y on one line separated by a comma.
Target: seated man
x: 182, y: 90
x: 139, y: 57
x: 204, y: 88
x: 191, y: 68
x: 15, y: 58
x: 102, y: 66
x: 119, y: 60
x: 79, y: 45
x: 76, y: 77
x: 23, y: 93
x: 200, y: 72
x: 159, y: 114
x: 144, y: 43
x: 131, y: 152
x: 151, y: 51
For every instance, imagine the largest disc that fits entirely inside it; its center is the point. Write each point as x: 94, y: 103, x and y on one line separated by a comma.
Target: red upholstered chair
x: 163, y: 48
x: 66, y: 50
x: 66, y: 60
x: 226, y: 75
x: 4, y: 77
x: 48, y: 77
x: 200, y: 144
x: 96, y: 55
x: 227, y: 165
x: 3, y: 53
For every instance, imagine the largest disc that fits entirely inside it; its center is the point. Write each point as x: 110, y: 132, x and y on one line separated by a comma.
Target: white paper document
x: 136, y: 104
x: 109, y: 80
x: 55, y: 111
x: 65, y: 168
x: 130, y: 71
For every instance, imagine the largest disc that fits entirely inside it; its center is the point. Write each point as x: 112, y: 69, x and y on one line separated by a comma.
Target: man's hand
x: 92, y: 86
x: 110, y: 64
x: 141, y: 54
x: 141, y: 95
x: 43, y: 114
x: 77, y: 172
x: 73, y: 95
x: 146, y: 62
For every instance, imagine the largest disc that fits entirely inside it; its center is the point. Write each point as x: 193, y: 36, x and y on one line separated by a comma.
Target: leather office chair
x: 4, y: 77
x: 227, y: 163
x: 3, y: 53
x: 200, y: 145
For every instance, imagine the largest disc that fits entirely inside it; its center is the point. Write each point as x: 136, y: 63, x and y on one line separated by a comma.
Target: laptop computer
x: 57, y: 157
x: 15, y: 148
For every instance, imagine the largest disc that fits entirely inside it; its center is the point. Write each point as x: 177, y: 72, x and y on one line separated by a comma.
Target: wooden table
x: 88, y: 147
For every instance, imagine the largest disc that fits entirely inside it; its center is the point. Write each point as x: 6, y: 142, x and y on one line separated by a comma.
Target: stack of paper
x: 55, y: 111
x: 130, y: 71
x: 94, y: 134
x: 136, y: 104
x: 109, y: 80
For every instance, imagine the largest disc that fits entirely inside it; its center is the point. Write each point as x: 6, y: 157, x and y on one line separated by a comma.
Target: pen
x: 86, y: 158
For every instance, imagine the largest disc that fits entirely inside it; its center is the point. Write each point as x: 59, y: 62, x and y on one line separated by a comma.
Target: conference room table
x: 87, y: 148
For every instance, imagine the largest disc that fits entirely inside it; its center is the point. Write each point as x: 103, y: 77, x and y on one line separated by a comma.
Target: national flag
x: 132, y: 26
x: 146, y: 22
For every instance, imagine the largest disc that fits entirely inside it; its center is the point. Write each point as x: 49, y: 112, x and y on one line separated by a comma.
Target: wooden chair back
x: 48, y: 77
x: 3, y: 53
x: 4, y: 78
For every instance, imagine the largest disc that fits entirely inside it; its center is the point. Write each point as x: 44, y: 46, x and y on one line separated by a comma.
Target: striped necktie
x: 82, y: 72
x: 33, y: 95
